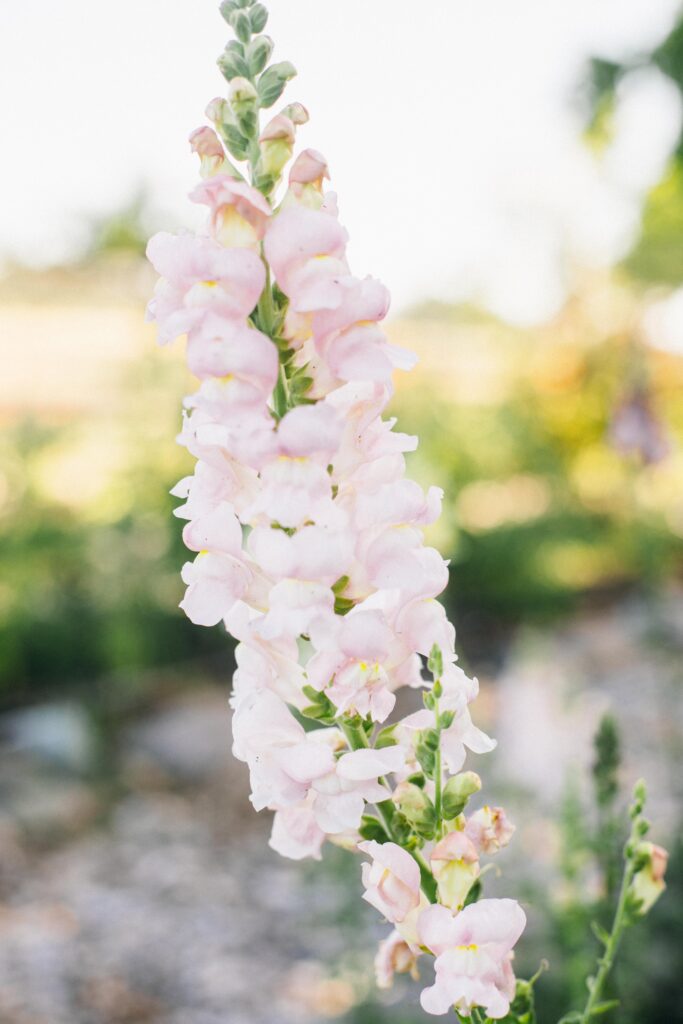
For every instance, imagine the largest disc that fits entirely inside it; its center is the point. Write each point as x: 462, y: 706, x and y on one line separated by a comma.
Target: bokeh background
x: 515, y: 173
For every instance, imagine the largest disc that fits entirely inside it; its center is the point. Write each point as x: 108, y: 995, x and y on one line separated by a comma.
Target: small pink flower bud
x: 297, y: 113
x: 489, y: 829
x: 455, y: 865
x: 208, y: 147
x: 394, y: 956
x: 648, y: 883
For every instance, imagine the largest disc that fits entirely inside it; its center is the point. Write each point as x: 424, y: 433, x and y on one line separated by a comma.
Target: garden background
x: 542, y: 297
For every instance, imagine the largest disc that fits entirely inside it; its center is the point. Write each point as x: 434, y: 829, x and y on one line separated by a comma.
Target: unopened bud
x: 457, y: 792
x: 297, y: 113
x: 206, y: 144
x: 455, y: 865
x: 490, y: 829
x: 648, y: 883
x: 242, y: 92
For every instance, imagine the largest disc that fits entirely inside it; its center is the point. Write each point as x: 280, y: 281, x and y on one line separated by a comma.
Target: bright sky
x: 448, y: 127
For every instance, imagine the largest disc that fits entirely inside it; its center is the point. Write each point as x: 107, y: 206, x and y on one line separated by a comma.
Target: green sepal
x: 446, y: 719
x: 474, y: 893
x: 341, y: 584
x: 386, y: 738
x: 372, y: 828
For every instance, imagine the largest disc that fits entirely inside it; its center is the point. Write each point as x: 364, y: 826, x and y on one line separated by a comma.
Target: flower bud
x: 415, y: 806
x: 457, y: 792
x: 297, y: 113
x: 394, y: 956
x: 206, y: 144
x: 241, y: 93
x: 276, y: 144
x: 489, y: 829
x: 455, y: 866
x: 272, y: 82
x: 648, y: 883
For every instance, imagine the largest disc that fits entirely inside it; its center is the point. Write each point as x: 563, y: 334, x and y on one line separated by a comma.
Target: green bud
x: 243, y: 3
x: 371, y: 828
x: 446, y: 719
x: 386, y: 738
x: 430, y: 738
x: 272, y: 82
x: 258, y: 16
x: 297, y: 113
x: 233, y: 65
x: 437, y: 688
x: 242, y: 25
x: 429, y: 700
x: 258, y: 53
x: 435, y: 662
x: 227, y: 9
x: 457, y: 792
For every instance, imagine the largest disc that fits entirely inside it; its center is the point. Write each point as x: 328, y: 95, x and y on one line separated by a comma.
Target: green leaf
x: 258, y: 16
x: 272, y: 82
x: 574, y: 1017
x: 474, y: 893
x: 600, y: 933
x: 604, y: 1007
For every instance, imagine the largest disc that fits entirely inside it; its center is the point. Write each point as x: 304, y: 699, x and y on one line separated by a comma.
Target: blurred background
x: 514, y: 172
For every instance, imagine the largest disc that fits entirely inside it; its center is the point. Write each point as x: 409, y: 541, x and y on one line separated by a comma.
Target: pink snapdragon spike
x: 308, y: 545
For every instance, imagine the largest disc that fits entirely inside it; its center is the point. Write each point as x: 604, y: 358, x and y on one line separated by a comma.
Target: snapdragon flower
x: 309, y: 547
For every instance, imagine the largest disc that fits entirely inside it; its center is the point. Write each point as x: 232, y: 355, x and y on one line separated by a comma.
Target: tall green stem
x: 357, y: 739
x: 607, y: 959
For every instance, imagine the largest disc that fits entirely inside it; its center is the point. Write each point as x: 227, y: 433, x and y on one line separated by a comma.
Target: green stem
x: 357, y: 738
x: 619, y: 925
x: 438, y: 775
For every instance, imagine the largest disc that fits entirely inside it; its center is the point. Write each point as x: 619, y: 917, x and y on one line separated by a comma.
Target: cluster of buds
x: 309, y: 545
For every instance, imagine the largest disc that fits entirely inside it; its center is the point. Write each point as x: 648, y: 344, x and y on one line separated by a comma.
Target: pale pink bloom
x: 206, y: 144
x: 392, y: 881
x: 422, y: 623
x: 305, y: 249
x: 306, y: 179
x: 279, y: 127
x: 261, y: 664
x: 295, y: 490
x: 293, y: 606
x: 489, y: 829
x: 455, y: 866
x: 348, y: 663
x: 226, y: 349
x: 310, y: 430
x: 312, y: 553
x: 395, y: 956
x: 212, y: 484
x: 341, y: 795
x: 238, y: 212
x: 473, y: 952
x: 365, y: 300
x: 398, y: 502
x: 215, y: 581
x: 296, y: 834
x: 197, y: 276
x: 283, y: 759
x: 309, y: 168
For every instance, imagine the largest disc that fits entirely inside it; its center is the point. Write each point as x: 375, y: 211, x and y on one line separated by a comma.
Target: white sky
x: 447, y: 125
